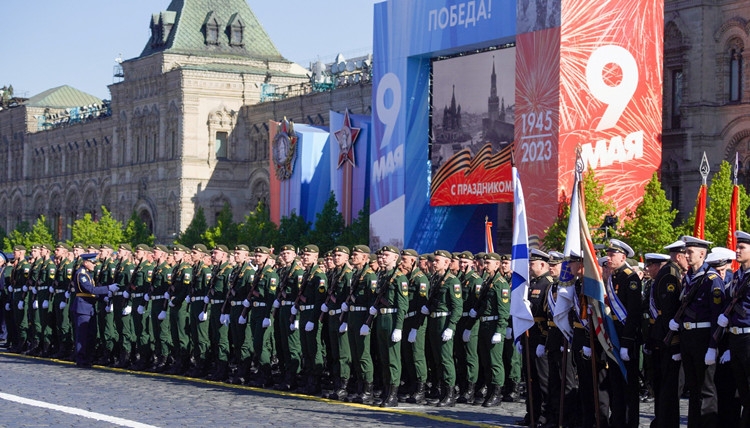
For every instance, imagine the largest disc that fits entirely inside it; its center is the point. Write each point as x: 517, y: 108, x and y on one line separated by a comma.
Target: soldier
x: 19, y: 276
x: 45, y: 293
x: 122, y: 308
x: 106, y: 319
x: 413, y: 352
x: 338, y: 291
x: 32, y: 305
x: 199, y: 331
x: 139, y: 286
x: 512, y: 361
x: 261, y: 298
x: 162, y: 337
x: 177, y: 296
x: 63, y: 276
x: 289, y: 345
x: 465, y: 352
x: 361, y: 296
x: 241, y: 280
x: 703, y: 299
x: 218, y: 331
x: 444, y: 308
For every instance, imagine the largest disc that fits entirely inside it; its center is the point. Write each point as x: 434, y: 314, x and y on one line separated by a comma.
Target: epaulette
x: 712, y: 276
x: 420, y: 274
x: 449, y: 276
x: 627, y: 271
x: 474, y: 274
x: 549, y: 278
x: 369, y: 270
x: 318, y: 270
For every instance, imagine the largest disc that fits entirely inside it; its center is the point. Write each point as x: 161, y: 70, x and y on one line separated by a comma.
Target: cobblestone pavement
x: 163, y: 400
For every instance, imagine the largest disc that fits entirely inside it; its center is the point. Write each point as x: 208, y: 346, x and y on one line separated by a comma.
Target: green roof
x: 181, y: 29
x: 62, y: 97
x: 235, y: 68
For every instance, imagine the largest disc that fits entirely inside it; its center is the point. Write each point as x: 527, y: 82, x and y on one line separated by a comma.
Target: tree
x: 27, y: 236
x: 258, y: 229
x: 136, y: 231
x: 649, y: 228
x: 293, y: 230
x: 329, y: 224
x: 358, y: 232
x: 597, y: 207
x: 106, y: 230
x: 195, y: 230
x: 226, y: 230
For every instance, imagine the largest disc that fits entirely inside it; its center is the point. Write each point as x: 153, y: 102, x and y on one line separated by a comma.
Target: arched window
x: 735, y: 74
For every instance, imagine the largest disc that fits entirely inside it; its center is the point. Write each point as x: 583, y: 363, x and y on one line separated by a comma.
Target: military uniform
x: 413, y: 350
x: 537, y: 295
x: 83, y: 307
x: 218, y: 332
x: 199, y: 328
x: 738, y: 332
x: 162, y: 336
x: 289, y: 344
x: 105, y: 310
x: 63, y: 334
x: 140, y: 283
x: 261, y: 300
x: 179, y: 326
x: 512, y: 361
x: 32, y: 304
x: 44, y: 295
x: 123, y: 317
x: 19, y: 276
x: 312, y: 294
x: 466, y: 352
x: 338, y: 340
x: 242, y: 280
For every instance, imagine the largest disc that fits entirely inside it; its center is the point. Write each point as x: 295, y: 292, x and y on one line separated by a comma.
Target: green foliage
x: 358, y: 232
x: 225, y: 232
x: 258, y: 229
x: 649, y: 228
x: 195, y: 230
x: 597, y: 207
x: 136, y: 231
x: 329, y: 224
x: 27, y: 236
x: 293, y: 230
x: 107, y: 230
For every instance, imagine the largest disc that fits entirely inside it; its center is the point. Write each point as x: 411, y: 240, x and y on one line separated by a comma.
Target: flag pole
x: 529, y: 386
x: 594, y: 374
x: 564, y: 382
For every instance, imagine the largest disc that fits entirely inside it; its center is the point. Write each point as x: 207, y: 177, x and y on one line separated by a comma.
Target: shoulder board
x: 420, y: 274
x: 347, y: 270
x: 712, y: 276
x: 627, y: 271
x: 474, y: 274
x: 369, y: 270
x: 549, y: 278
x: 449, y: 276
x: 318, y: 270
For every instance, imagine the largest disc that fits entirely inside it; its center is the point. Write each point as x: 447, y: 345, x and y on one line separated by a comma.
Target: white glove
x: 146, y: 297
x: 276, y: 304
x: 106, y: 298
x: 412, y: 335
x: 624, y: 355
x: 677, y: 357
x: 710, y: 358
x: 7, y: 306
x: 496, y: 338
x: 466, y: 336
x: 309, y: 326
x: 587, y: 352
x: 25, y: 288
x: 447, y: 335
x: 673, y: 325
x: 473, y: 313
x: 373, y: 311
x: 246, y: 303
x: 187, y: 299
x: 396, y: 336
x: 62, y: 305
x: 539, y: 351
x: 722, y: 321
x: 125, y: 294
x: 725, y: 357
x: 294, y: 326
x: 365, y: 330
x: 266, y: 323
x: 206, y: 300
x: 344, y: 327
x: 10, y: 288
x: 166, y: 295
x: 509, y: 333
x: 294, y: 310
x: 67, y: 294
x: 51, y: 289
x: 224, y: 319
x: 33, y: 290
x: 127, y: 310
x: 162, y: 316
x: 324, y: 307
x: 20, y: 305
x: 242, y: 320
x: 45, y: 304
x: 202, y: 316
x: 34, y: 305
x: 113, y: 288
x: 140, y: 309
x: 171, y: 304
x: 344, y: 307
x: 425, y: 310
x: 109, y: 308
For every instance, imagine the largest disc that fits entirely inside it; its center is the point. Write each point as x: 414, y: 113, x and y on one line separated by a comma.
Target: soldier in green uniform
x: 412, y: 352
x: 176, y: 296
x: 467, y: 361
x: 259, y: 302
x: 444, y: 307
x: 45, y: 292
x: 121, y: 306
x: 63, y: 275
x: 34, y: 332
x: 139, y: 286
x: 512, y: 361
x: 338, y: 291
x: 199, y: 328
x: 218, y: 332
x: 162, y: 336
x: 289, y: 345
x: 19, y: 276
x: 104, y: 274
x: 241, y: 280
x: 492, y: 309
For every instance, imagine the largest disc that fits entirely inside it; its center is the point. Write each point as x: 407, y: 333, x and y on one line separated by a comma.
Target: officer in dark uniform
x: 703, y: 298
x: 624, y: 292
x: 83, y: 308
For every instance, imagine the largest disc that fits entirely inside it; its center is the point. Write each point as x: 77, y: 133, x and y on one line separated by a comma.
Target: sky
x: 48, y: 43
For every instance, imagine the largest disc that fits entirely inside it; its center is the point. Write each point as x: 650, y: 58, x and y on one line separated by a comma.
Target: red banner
x: 733, y: 226
x: 700, y: 214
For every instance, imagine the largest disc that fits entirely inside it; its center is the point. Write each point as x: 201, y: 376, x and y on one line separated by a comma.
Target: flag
x: 700, y: 213
x: 733, y: 217
x: 488, y: 247
x: 520, y: 307
x: 566, y: 283
x: 593, y: 287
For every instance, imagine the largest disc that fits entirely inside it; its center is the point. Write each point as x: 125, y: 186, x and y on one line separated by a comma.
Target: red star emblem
x: 346, y: 136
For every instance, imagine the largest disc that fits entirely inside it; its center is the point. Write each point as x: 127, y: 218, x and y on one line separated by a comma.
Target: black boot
x: 221, y: 372
x: 46, y: 350
x: 313, y: 383
x: 449, y: 399
x: 468, y: 395
x: 494, y: 397
x: 242, y: 370
x: 123, y: 362
x: 391, y: 400
x: 366, y: 397
x: 436, y: 393
x: 199, y: 370
x: 511, y: 394
x: 418, y: 396
x: 332, y: 395
x: 340, y: 392
x: 404, y: 392
x: 161, y: 364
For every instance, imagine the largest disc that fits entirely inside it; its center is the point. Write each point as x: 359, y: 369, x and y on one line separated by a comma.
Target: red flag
x: 733, y: 224
x: 700, y: 213
x: 488, y: 247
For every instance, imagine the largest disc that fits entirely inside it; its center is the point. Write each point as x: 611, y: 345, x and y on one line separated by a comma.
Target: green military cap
x: 442, y: 253
x: 321, y: 261
x: 241, y: 247
x: 310, y: 248
x: 142, y: 247
x: 180, y: 247
x: 373, y: 258
x: 424, y: 256
x: 107, y: 246
x: 92, y: 247
x: 221, y: 247
x: 493, y: 256
x: 390, y: 249
x: 455, y: 255
x: 479, y: 256
x: 125, y: 247
x: 328, y: 253
x: 79, y: 245
x: 430, y: 257
x: 409, y: 252
x: 36, y: 247
x: 288, y: 247
x: 200, y: 247
x: 49, y: 247
x: 342, y: 249
x: 263, y: 250
x: 361, y: 249
x: 505, y: 257
x: 61, y: 244
x: 19, y: 247
x: 161, y: 248
x: 631, y: 262
x: 467, y: 255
